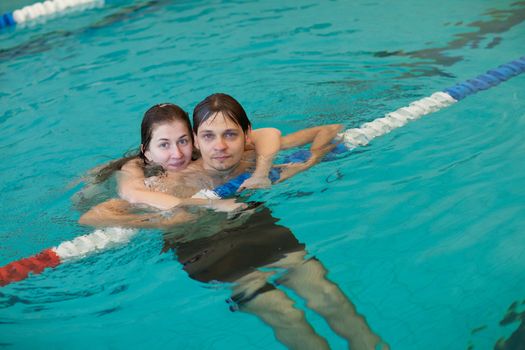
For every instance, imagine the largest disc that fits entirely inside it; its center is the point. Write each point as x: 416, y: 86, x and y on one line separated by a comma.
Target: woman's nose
x: 176, y: 152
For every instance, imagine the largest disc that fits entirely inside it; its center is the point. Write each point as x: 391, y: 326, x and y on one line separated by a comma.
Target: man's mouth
x: 221, y: 158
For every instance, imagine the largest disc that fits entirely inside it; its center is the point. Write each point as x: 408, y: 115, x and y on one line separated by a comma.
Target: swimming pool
x: 421, y: 229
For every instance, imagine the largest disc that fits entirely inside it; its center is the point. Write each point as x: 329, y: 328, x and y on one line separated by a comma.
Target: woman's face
x: 170, y: 146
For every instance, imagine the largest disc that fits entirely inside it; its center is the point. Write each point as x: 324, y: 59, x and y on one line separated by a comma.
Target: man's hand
x: 291, y: 169
x: 255, y: 182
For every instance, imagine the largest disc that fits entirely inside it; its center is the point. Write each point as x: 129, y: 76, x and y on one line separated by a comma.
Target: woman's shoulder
x: 133, y: 165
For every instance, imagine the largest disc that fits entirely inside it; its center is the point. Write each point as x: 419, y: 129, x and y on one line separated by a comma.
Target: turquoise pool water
x: 422, y: 229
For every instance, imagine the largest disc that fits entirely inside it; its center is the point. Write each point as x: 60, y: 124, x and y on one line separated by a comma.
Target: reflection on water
x: 516, y: 341
x: 257, y: 256
x: 48, y: 41
x: 500, y: 22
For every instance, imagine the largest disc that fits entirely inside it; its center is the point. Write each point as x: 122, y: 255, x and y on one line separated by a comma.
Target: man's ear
x: 248, y: 136
x: 195, y: 143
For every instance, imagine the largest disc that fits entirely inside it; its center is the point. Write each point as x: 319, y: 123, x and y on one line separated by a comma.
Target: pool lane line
x: 102, y: 239
x: 77, y: 248
x: 45, y: 10
x: 363, y: 135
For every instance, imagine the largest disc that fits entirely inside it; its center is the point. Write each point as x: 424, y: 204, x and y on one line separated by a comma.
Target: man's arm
x: 267, y: 142
x: 320, y: 137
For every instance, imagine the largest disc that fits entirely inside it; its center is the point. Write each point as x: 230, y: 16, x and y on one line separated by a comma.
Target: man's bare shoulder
x: 195, y: 176
x: 195, y: 166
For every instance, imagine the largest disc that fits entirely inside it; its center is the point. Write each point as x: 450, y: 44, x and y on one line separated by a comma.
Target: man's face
x: 221, y: 143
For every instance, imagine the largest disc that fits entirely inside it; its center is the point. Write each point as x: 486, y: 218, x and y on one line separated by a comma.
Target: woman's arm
x: 267, y: 142
x: 131, y: 188
x: 118, y: 212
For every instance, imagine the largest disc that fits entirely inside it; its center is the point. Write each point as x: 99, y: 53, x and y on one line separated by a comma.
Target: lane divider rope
x: 363, y: 135
x: 102, y: 239
x: 44, y: 10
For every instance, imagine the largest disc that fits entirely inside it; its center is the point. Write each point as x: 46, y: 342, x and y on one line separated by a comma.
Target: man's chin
x: 222, y: 167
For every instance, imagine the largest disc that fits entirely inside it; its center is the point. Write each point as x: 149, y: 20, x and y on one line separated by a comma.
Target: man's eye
x: 207, y: 136
x: 230, y: 135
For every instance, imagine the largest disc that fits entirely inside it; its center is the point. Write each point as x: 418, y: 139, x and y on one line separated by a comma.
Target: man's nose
x: 220, y: 144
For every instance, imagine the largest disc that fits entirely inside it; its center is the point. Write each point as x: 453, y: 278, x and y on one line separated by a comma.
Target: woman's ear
x: 145, y: 153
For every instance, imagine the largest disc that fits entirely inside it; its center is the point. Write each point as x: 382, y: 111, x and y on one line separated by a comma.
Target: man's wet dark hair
x: 213, y: 104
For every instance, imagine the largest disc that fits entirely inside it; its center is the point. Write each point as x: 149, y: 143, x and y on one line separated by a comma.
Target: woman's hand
x: 226, y: 205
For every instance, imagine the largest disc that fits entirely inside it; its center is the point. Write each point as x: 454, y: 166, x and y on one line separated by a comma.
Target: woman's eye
x: 164, y: 145
x: 183, y: 142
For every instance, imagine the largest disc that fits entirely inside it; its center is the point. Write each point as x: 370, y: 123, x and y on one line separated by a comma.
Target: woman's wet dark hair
x: 211, y: 105
x: 158, y: 114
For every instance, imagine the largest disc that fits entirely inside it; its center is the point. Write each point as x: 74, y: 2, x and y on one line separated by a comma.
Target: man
x: 221, y: 129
